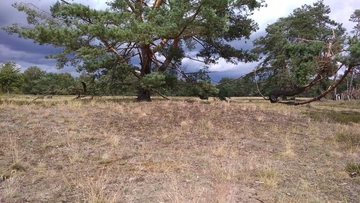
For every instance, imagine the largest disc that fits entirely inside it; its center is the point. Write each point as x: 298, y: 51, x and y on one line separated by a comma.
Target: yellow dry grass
x: 110, y: 150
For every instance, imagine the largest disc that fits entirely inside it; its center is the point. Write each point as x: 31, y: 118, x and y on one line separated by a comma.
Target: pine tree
x: 144, y: 35
x: 302, y: 51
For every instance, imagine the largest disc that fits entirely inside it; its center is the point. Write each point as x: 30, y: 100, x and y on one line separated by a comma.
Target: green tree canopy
x: 55, y: 83
x: 37, y: 81
x: 10, y: 77
x: 152, y: 36
x: 301, y: 50
x: 31, y: 77
x: 355, y: 18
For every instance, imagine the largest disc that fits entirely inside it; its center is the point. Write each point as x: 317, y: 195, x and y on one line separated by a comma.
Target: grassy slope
x: 177, y: 151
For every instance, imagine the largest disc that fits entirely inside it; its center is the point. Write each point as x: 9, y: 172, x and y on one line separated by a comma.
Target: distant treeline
x: 38, y: 82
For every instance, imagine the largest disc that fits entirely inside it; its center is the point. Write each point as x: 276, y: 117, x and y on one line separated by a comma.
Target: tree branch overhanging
x: 331, y: 88
x: 324, y: 71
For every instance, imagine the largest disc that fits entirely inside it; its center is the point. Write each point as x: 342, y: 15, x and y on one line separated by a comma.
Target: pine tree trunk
x: 143, y: 95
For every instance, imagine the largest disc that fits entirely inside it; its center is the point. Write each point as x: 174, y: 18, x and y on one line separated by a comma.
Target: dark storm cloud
x: 13, y: 42
x: 25, y: 52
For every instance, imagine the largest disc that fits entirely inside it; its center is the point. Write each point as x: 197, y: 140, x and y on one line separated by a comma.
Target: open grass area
x: 112, y: 149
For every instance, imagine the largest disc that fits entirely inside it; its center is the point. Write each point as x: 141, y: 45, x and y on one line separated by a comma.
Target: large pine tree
x: 302, y: 51
x: 150, y: 35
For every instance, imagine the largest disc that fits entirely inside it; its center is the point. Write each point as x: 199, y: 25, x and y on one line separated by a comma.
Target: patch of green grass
x: 354, y: 104
x: 353, y: 169
x: 349, y: 139
x: 17, y: 166
x: 344, y: 117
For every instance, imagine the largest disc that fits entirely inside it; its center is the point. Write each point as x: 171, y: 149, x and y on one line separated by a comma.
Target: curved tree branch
x: 331, y: 88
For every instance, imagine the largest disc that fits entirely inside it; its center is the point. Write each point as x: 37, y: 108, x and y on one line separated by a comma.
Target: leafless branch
x: 65, y: 2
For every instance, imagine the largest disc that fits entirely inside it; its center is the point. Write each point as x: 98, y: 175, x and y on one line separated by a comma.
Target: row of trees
x: 249, y: 85
x: 142, y: 43
x: 36, y: 81
x: 33, y: 80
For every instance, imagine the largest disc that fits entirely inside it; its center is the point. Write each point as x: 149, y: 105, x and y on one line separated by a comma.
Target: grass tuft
x: 268, y: 176
x: 353, y: 169
x: 94, y: 190
x: 18, y: 166
x: 349, y: 140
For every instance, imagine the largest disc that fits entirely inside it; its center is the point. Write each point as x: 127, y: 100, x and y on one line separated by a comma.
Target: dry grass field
x: 112, y: 150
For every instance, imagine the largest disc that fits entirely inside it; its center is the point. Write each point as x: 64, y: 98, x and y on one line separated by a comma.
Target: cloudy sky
x: 26, y: 53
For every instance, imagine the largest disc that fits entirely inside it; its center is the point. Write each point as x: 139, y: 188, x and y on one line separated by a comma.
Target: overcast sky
x: 26, y: 53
